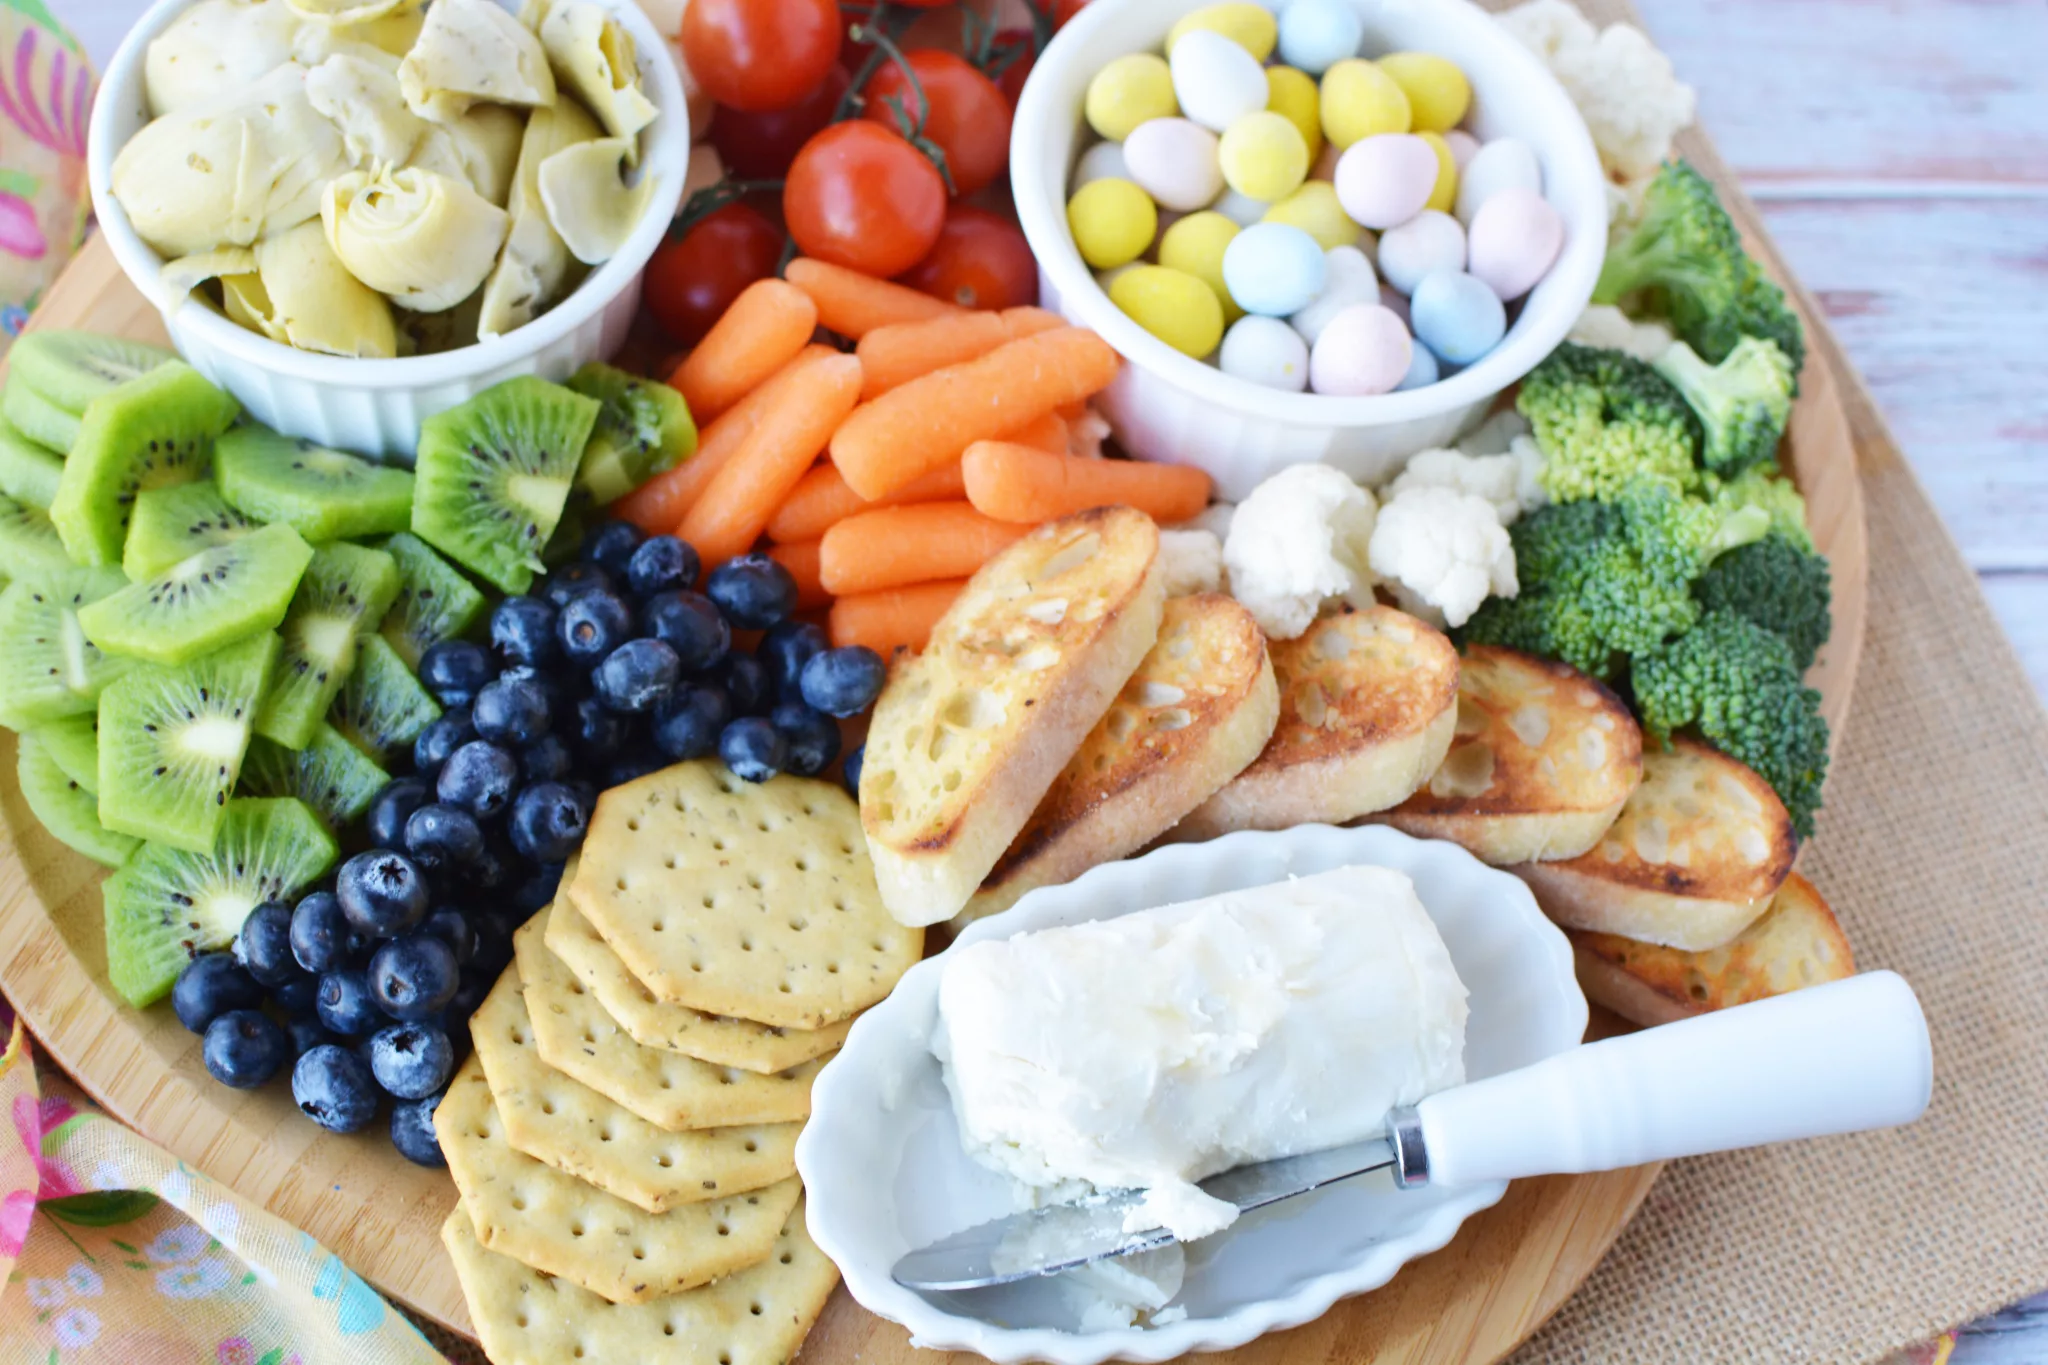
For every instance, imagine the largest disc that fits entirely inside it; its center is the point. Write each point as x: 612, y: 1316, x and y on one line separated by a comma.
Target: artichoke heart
x: 339, y: 13
x: 588, y: 201
x: 471, y: 51
x: 594, y: 57
x: 316, y: 303
x: 424, y: 239
x: 535, y: 263
x: 187, y: 273
x: 214, y: 46
x: 362, y: 99
x: 391, y: 34
x: 248, y: 305
x: 481, y: 147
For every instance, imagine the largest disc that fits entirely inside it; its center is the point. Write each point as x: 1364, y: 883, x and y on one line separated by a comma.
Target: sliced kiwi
x: 74, y: 742
x: 345, y: 589
x: 66, y: 809
x: 28, y: 471
x: 382, y: 706
x: 151, y: 432
x: 168, y: 905
x: 643, y: 427
x: 48, y: 669
x: 200, y: 604
x: 37, y: 418
x: 494, y: 473
x: 331, y: 775
x: 172, y: 740
x: 173, y: 524
x: 70, y: 369
x: 29, y: 545
x: 322, y: 494
x: 435, y: 602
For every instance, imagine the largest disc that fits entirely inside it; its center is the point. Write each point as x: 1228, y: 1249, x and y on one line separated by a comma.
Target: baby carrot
x: 894, y: 355
x: 892, y: 619
x: 1029, y: 321
x: 765, y: 326
x: 800, y: 557
x: 821, y: 498
x: 1018, y: 483
x: 1048, y: 433
x: 803, y: 406
x: 891, y: 547
x: 930, y: 420
x: 853, y: 304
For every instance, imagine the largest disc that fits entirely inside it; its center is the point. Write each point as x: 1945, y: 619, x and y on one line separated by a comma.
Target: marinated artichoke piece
x: 535, y: 265
x: 471, y: 51
x: 389, y: 36
x: 593, y: 56
x: 247, y: 304
x: 316, y: 303
x: 588, y: 200
x: 361, y: 97
x: 338, y: 13
x: 481, y: 147
x: 424, y: 239
x: 187, y: 273
x: 216, y: 45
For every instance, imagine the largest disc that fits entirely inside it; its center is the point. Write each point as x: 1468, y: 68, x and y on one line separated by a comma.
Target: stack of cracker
x: 624, y: 1136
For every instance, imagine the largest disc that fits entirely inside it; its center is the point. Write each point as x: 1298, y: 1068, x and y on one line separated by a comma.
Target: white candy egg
x: 1348, y: 280
x: 1386, y: 179
x: 1175, y: 161
x: 1103, y: 161
x: 1365, y: 350
x: 1216, y: 81
x: 1516, y: 235
x: 1241, y: 209
x: 1506, y: 163
x: 1428, y: 241
x: 1265, y: 351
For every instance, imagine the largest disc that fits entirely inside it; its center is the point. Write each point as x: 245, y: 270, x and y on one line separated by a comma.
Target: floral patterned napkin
x: 46, y: 88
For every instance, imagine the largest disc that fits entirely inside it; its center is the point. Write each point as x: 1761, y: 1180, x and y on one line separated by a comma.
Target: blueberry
x: 306, y: 1033
x: 753, y: 749
x: 493, y: 955
x: 662, y: 564
x: 547, y: 759
x: 592, y: 626
x: 245, y: 1048
x: 812, y: 738
x: 632, y: 767
x: 411, y: 1061
x: 322, y: 938
x: 844, y: 682
x: 689, y: 725
x: 512, y: 711
x: 443, y: 736
x: 637, y: 676
x: 443, y: 838
x: 745, y: 683
x: 537, y: 891
x: 344, y: 1003
x: 784, y: 651
x: 333, y: 1087
x: 553, y: 687
x: 752, y: 590
x: 599, y: 731
x: 264, y: 946
x: 295, y: 994
x: 209, y: 986
x: 523, y: 632
x: 453, y: 670
x: 413, y: 977
x: 572, y: 581
x: 688, y: 623
x: 452, y: 927
x: 469, y: 993
x: 382, y: 892
x: 611, y: 545
x: 412, y: 1131
x: 547, y: 822
x: 394, y: 801
x: 478, y: 777
x: 849, y: 771
x: 493, y: 867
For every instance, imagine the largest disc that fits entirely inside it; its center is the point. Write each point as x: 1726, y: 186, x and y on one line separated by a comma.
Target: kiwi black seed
x: 173, y: 524
x: 67, y: 810
x: 331, y: 775
x: 643, y: 428
x: 382, y: 706
x: 48, y: 669
x: 435, y: 602
x: 345, y: 590
x: 200, y: 604
x: 323, y: 494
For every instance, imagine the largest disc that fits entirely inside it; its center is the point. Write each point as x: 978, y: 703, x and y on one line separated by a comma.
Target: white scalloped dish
x: 884, y: 1170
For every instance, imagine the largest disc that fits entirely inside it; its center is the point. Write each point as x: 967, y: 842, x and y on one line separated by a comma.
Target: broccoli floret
x: 1761, y: 487
x: 1742, y: 403
x: 1760, y: 311
x: 1738, y: 686
x: 1778, y: 585
x: 1604, y: 418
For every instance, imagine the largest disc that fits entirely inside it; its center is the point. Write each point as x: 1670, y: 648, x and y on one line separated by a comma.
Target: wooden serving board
x: 1508, y: 1269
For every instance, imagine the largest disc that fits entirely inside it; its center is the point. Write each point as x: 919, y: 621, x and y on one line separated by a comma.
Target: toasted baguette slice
x: 1795, y: 943
x: 1367, y: 702
x: 1198, y: 710
x: 1543, y: 759
x: 1696, y: 855
x: 968, y: 735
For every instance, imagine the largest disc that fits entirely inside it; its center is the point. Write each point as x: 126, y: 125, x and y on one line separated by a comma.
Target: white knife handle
x: 1838, y: 1058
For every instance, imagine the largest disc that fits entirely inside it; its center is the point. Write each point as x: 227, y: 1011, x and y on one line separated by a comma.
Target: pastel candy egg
x: 1506, y: 163
x: 1172, y: 305
x: 1113, y: 221
x: 1457, y: 316
x: 1265, y: 351
x: 1241, y: 209
x: 1428, y: 242
x: 1360, y: 101
x: 1462, y: 145
x: 1273, y: 268
x: 1175, y: 161
x: 1250, y: 26
x: 1263, y: 156
x: 1387, y: 179
x: 1103, y: 161
x: 1195, y: 246
x: 1365, y: 350
x: 1396, y: 302
x: 1216, y: 81
x: 1347, y: 282
x: 1317, y: 34
x: 1422, y: 370
x: 1444, y: 196
x: 1293, y: 96
x: 1438, y: 93
x: 1314, y: 209
x: 1127, y: 92
x: 1516, y: 236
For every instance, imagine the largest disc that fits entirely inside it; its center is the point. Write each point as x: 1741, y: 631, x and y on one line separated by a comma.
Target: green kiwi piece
x: 37, y: 418
x: 643, y: 428
x: 199, y: 604
x: 28, y: 471
x: 48, y: 669
x: 435, y: 602
x: 168, y: 905
x: 70, y: 369
x: 331, y: 775
x: 172, y: 740
x: 67, y: 810
x: 150, y: 432
x: 74, y: 742
x: 494, y: 473
x: 382, y: 705
x: 323, y: 494
x: 29, y: 545
x: 345, y: 590
x: 173, y: 524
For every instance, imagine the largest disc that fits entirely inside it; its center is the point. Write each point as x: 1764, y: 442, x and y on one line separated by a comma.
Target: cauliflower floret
x: 1190, y: 562
x: 1215, y: 519
x: 1604, y: 325
x: 1530, y: 493
x: 1443, y: 549
x: 1301, y: 539
x: 1625, y: 89
x: 1086, y: 433
x: 1496, y: 433
x: 1497, y: 478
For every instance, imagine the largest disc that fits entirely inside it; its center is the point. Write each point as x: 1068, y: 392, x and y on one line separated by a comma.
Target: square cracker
x: 751, y: 900
x: 756, y: 1317
x: 556, y: 1223
x: 579, y: 1132
x: 576, y: 1037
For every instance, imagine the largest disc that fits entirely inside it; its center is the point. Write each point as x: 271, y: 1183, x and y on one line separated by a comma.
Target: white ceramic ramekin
x: 1168, y: 406
x: 375, y: 407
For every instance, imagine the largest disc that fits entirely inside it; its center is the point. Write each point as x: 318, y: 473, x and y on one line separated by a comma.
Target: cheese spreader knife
x: 1840, y: 1058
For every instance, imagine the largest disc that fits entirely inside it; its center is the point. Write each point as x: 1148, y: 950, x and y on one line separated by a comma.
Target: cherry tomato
x: 759, y: 55
x: 967, y: 115
x: 981, y: 261
x: 1011, y: 82
x: 761, y: 146
x: 858, y: 195
x: 692, y: 280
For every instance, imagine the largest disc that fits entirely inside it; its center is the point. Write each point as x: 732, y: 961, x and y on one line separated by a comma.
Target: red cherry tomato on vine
x: 759, y: 55
x: 692, y: 280
x: 1011, y: 82
x: 963, y: 112
x: 981, y: 261
x: 858, y: 195
x: 761, y: 146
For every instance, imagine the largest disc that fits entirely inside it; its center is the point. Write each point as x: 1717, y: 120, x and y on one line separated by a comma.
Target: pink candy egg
x: 1396, y: 301
x: 1515, y: 237
x: 1364, y: 350
x: 1385, y: 180
x: 1462, y: 145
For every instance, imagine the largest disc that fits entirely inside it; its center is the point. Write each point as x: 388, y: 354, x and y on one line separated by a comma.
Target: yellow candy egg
x: 1172, y: 305
x: 1195, y: 246
x: 1293, y: 95
x: 1314, y: 209
x: 1446, y: 192
x: 1263, y: 156
x: 1130, y: 91
x: 1438, y: 93
x: 1113, y: 221
x: 1360, y: 100
x: 1251, y: 27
